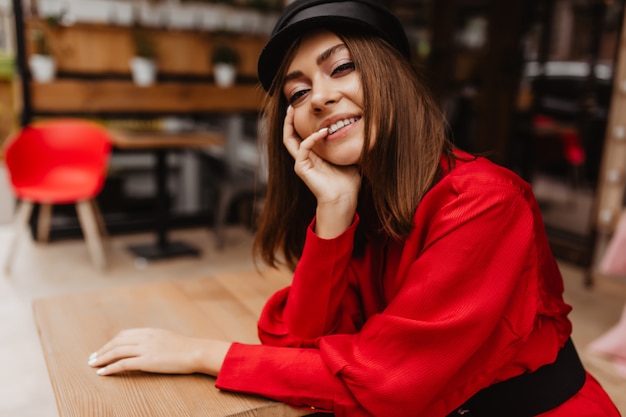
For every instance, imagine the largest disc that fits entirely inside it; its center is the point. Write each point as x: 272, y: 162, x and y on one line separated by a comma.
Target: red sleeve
x: 320, y: 300
x: 467, y: 303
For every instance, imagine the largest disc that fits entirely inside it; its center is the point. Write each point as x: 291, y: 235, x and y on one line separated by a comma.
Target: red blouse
x: 472, y: 297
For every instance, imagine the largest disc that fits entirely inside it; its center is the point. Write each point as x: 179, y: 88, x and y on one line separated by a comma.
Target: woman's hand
x: 325, y: 180
x: 160, y: 351
x: 336, y: 188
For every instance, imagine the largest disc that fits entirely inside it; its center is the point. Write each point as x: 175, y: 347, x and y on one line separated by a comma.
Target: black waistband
x: 529, y: 394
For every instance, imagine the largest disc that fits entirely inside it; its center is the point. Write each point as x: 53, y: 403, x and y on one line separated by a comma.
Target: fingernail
x: 93, y: 356
x: 92, y: 361
x: 323, y: 130
x: 101, y: 371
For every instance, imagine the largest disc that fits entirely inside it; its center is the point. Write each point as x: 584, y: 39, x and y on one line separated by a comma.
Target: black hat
x: 370, y: 16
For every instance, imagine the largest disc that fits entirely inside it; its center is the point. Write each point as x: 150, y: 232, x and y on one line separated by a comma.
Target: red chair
x: 573, y: 150
x: 59, y: 161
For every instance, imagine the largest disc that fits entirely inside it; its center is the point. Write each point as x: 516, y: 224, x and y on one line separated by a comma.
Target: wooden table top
x: 73, y: 326
x: 131, y: 139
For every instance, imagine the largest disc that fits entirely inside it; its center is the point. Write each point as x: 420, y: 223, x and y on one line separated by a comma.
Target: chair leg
x: 89, y: 224
x: 102, y: 229
x: 43, y: 222
x: 20, y: 223
x: 99, y: 219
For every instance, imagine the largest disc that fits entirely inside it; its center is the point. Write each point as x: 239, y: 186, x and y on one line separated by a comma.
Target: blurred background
x: 527, y: 83
x: 538, y: 86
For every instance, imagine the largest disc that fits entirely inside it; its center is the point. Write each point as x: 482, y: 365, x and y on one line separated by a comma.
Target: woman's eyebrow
x: 321, y: 58
x: 292, y: 76
x: 327, y: 53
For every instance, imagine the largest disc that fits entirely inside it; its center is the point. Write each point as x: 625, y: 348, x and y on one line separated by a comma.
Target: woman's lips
x: 341, y: 128
x: 341, y: 123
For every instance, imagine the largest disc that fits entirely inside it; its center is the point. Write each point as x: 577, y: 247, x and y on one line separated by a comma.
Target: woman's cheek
x: 300, y: 127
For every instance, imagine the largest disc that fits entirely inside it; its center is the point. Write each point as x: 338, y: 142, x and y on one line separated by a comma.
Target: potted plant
x: 143, y: 64
x: 225, y: 60
x: 41, y: 63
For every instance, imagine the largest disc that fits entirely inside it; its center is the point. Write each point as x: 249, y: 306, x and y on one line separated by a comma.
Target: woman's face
x: 325, y: 90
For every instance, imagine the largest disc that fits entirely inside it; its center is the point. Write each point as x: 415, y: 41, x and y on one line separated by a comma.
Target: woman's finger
x: 296, y: 146
x: 308, y: 144
x: 114, y: 354
x: 123, y: 365
x: 125, y: 337
x: 290, y: 138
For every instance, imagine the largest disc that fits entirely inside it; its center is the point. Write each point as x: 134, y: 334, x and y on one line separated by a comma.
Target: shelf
x: 97, y: 97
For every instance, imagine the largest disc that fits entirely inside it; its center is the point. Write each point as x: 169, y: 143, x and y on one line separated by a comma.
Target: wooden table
x: 73, y: 326
x: 160, y: 143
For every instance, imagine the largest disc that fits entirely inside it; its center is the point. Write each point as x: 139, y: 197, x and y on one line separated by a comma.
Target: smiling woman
x: 423, y: 282
x: 322, y: 75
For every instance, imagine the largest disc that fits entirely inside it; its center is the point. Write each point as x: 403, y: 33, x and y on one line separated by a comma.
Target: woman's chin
x: 342, y: 153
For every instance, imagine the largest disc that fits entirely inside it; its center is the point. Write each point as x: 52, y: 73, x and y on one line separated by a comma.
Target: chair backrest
x: 43, y: 146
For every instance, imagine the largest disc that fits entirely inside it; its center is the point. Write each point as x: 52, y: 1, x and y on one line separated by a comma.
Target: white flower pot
x: 143, y: 70
x: 224, y: 74
x: 42, y: 67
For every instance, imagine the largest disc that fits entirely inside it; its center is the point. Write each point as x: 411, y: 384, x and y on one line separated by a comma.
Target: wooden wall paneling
x: 84, y: 48
x: 181, y: 52
x: 8, y: 120
x: 91, y: 49
x: 96, y: 49
x: 250, y: 48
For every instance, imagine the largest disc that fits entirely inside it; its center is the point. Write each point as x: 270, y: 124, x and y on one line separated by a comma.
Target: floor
x: 64, y: 266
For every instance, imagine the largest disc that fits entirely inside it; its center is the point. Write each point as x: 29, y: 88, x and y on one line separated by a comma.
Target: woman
x: 423, y: 282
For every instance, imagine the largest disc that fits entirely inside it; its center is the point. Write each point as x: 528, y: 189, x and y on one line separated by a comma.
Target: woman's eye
x: 348, y: 66
x: 295, y: 96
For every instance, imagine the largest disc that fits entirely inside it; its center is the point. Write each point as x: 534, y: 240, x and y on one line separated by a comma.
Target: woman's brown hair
x: 400, y: 168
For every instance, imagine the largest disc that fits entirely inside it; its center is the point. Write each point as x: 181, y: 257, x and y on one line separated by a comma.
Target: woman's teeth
x: 336, y: 126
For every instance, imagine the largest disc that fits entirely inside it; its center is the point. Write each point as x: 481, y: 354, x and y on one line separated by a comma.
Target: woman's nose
x: 323, y: 95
